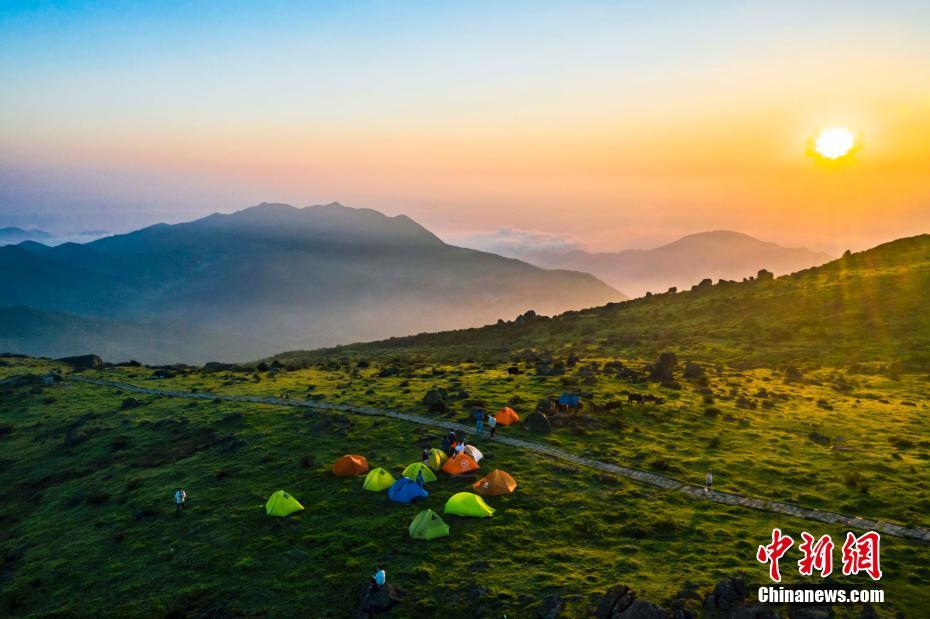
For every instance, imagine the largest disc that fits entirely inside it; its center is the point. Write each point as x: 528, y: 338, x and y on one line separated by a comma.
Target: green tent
x: 428, y: 525
x: 282, y: 504
x: 377, y: 480
x: 467, y: 504
x: 416, y: 468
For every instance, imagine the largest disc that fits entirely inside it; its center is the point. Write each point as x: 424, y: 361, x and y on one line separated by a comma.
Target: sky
x: 606, y: 125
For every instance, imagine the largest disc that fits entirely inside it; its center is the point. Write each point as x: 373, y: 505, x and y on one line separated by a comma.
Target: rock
x: 693, y: 370
x: 83, y: 362
x: 537, y: 422
x: 434, y: 396
x: 665, y: 367
x: 75, y: 437
x: 820, y: 439
x: 130, y: 403
x: 373, y: 602
x: 20, y: 380
x: 550, y: 607
x: 617, y: 599
x: 388, y: 372
x: 793, y: 374
x: 162, y: 373
x: 729, y: 592
x: 764, y: 275
x: 641, y: 609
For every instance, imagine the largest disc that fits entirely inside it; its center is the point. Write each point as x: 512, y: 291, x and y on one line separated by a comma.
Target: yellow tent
x: 378, y: 479
x: 437, y: 458
x: 416, y: 468
x: 282, y: 504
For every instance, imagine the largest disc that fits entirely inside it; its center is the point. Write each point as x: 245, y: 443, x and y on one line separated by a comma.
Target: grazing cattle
x: 613, y: 405
x: 633, y: 398
x: 514, y: 370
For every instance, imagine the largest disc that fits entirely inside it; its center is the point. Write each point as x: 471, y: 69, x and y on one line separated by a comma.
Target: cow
x: 514, y: 370
x: 634, y: 398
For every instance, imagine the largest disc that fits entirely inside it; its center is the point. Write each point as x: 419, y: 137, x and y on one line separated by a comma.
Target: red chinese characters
x: 773, y: 552
x: 817, y: 555
x: 860, y: 554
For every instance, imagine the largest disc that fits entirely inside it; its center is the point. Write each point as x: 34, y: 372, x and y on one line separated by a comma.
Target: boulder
x: 435, y: 395
x: 550, y: 607
x: 693, y: 370
x: 20, y: 380
x: 728, y: 592
x: 130, y: 403
x: 371, y: 603
x: 83, y: 362
x: 537, y: 422
x: 664, y: 368
x: 620, y: 602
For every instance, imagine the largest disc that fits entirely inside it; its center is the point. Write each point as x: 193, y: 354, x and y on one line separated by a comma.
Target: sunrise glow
x: 835, y: 142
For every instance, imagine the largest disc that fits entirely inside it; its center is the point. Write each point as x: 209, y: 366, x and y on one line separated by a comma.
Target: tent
x: 506, y: 416
x: 467, y: 504
x: 428, y: 525
x: 350, y: 466
x: 417, y: 467
x: 494, y: 483
x: 571, y: 400
x: 377, y: 480
x: 437, y: 458
x: 472, y: 451
x: 405, y: 490
x: 460, y: 464
x: 282, y: 504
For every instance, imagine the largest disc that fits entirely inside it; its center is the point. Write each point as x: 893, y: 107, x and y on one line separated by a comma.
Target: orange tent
x: 507, y: 416
x: 350, y: 466
x: 460, y: 464
x: 494, y: 483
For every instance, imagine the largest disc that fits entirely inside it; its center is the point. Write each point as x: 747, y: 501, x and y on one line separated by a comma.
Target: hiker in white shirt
x: 708, y: 482
x: 378, y: 580
x: 179, y: 498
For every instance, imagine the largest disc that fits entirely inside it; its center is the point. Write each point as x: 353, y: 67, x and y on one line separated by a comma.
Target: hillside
x: 720, y: 254
x: 870, y: 306
x: 811, y: 389
x: 283, y: 276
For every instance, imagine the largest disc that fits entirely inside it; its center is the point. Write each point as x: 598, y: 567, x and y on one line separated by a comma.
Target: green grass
x: 850, y: 436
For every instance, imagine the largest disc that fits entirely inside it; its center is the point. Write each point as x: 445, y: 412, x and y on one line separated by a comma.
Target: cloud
x: 518, y: 243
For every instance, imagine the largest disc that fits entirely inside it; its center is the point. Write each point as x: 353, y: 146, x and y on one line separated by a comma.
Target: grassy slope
x: 858, y: 328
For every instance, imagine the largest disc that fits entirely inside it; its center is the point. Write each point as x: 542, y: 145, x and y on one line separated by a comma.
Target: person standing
x: 479, y: 421
x: 377, y: 581
x: 492, y: 425
x: 180, y: 497
x: 708, y: 482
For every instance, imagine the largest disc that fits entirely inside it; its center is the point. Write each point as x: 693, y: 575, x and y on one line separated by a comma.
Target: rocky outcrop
x: 83, y: 362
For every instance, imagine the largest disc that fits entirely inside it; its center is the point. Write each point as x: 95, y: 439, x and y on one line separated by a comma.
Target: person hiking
x: 424, y: 457
x: 492, y: 425
x: 377, y: 581
x: 479, y: 421
x: 420, y: 480
x: 708, y: 482
x: 179, y: 499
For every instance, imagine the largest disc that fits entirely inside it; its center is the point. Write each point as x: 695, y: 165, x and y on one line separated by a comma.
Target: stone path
x: 653, y: 479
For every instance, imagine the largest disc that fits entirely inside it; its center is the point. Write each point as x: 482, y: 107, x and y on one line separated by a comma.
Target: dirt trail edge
x: 653, y: 479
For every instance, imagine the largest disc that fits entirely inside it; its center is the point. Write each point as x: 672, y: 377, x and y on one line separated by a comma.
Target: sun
x: 834, y: 142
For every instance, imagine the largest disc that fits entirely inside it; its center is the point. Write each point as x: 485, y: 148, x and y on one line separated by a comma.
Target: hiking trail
x: 693, y: 491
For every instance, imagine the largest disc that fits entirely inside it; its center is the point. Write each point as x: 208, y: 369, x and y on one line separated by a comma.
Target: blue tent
x: 405, y: 490
x: 569, y: 399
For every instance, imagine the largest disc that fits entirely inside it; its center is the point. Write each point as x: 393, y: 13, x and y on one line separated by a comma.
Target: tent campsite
x: 495, y: 483
x: 377, y: 480
x: 473, y: 451
x: 428, y: 525
x: 405, y: 490
x: 350, y: 466
x: 460, y: 464
x: 418, y: 467
x: 282, y: 504
x: 507, y: 416
x: 467, y: 504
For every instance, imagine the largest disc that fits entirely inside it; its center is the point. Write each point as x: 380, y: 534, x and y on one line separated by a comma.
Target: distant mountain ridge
x: 12, y: 235
x: 271, y: 277
x: 718, y: 254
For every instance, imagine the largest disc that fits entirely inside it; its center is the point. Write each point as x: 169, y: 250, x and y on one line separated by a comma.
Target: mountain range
x: 719, y: 254
x: 268, y: 278
x: 12, y: 235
